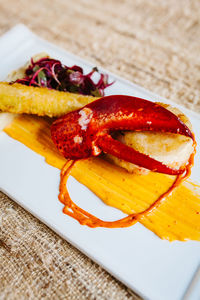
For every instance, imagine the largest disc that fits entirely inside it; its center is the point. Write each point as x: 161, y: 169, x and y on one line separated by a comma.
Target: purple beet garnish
x: 51, y: 73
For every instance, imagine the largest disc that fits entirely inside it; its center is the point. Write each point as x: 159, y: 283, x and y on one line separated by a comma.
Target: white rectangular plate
x: 154, y: 268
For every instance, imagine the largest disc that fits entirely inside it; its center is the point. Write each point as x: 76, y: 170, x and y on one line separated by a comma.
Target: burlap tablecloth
x: 153, y: 43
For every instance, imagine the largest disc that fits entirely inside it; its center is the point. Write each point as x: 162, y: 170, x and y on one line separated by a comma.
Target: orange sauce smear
x: 142, y: 197
x: 85, y: 218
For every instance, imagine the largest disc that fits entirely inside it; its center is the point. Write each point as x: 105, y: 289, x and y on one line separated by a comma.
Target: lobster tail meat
x: 87, y: 132
x: 124, y: 152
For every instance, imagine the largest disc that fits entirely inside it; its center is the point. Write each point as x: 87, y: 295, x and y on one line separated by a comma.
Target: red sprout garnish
x: 51, y: 73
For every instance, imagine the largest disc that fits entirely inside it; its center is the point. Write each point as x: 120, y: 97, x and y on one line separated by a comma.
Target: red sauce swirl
x: 85, y: 218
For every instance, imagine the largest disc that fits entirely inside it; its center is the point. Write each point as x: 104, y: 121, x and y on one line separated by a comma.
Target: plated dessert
x: 136, y: 141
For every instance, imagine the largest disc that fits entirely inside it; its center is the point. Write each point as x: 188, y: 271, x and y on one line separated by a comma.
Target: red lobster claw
x: 86, y: 132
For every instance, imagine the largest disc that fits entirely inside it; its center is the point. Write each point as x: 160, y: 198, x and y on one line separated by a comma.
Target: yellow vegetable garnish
x: 18, y: 98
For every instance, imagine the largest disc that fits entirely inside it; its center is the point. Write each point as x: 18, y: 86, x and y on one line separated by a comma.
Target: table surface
x: 152, y: 43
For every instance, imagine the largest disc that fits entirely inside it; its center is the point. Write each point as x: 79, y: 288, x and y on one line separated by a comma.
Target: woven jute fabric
x: 152, y: 43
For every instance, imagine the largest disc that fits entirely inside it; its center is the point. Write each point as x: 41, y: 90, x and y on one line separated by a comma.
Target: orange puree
x: 177, y: 218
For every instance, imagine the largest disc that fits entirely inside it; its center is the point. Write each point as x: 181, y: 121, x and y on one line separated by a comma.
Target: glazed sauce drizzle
x: 85, y: 218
